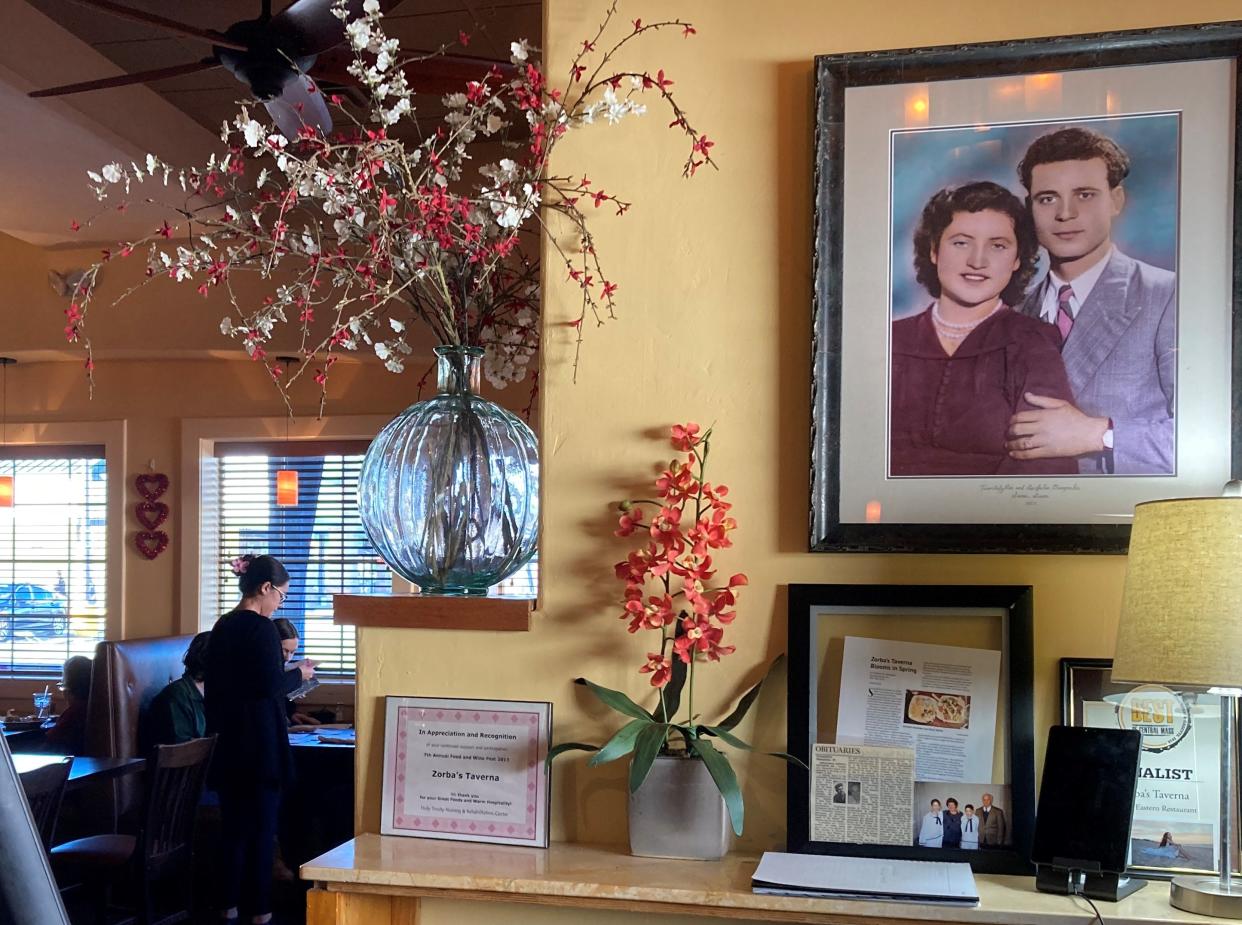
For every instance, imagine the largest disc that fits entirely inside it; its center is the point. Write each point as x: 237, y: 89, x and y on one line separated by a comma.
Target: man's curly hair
x: 975, y: 197
x: 1075, y: 144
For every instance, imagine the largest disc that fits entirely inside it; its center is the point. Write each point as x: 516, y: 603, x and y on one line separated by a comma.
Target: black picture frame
x: 1083, y: 677
x: 1014, y: 606
x: 835, y: 74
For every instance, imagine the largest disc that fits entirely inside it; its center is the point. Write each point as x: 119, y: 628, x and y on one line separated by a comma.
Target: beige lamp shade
x: 1181, y: 613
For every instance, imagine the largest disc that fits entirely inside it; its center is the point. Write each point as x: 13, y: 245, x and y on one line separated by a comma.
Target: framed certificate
x: 466, y: 770
x: 1177, y: 800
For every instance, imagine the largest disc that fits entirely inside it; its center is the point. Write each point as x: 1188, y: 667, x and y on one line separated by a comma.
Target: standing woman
x: 245, y: 693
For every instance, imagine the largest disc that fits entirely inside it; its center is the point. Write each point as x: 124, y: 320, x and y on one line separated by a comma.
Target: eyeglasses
x: 282, y: 594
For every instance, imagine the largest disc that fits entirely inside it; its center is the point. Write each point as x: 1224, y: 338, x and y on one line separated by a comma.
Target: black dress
x: 246, y: 686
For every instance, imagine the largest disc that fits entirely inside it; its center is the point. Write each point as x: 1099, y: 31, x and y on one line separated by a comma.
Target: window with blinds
x: 320, y: 540
x: 53, y: 557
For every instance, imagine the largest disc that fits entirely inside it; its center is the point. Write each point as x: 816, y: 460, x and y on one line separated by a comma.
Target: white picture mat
x: 1202, y: 92
x: 461, y: 811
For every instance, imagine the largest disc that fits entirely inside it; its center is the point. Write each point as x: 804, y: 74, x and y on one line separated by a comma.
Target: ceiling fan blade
x: 307, y: 27
x: 438, y: 74
x: 124, y: 80
x: 297, y: 106
x: 169, y: 25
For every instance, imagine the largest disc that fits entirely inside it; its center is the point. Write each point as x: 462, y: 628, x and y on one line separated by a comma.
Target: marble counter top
x: 584, y: 875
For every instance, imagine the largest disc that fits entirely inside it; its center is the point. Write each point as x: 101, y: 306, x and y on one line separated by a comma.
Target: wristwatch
x: 1108, y: 435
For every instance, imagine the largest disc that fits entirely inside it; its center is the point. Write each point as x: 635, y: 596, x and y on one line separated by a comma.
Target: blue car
x: 41, y: 613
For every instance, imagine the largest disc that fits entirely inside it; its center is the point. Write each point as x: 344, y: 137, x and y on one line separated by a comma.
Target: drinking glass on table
x: 43, y: 703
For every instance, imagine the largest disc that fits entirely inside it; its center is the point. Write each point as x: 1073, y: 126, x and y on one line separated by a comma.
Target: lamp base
x: 1204, y: 896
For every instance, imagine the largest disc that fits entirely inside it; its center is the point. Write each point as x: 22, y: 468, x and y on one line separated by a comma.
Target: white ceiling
x: 51, y: 142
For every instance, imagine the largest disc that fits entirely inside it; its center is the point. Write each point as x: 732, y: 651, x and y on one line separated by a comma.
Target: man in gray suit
x: 993, y: 826
x: 1117, y: 317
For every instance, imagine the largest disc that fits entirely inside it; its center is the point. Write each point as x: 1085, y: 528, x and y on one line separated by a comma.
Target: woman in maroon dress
x: 961, y: 367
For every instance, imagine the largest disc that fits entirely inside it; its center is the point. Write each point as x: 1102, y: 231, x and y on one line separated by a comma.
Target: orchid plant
x: 689, y: 613
x: 360, y: 234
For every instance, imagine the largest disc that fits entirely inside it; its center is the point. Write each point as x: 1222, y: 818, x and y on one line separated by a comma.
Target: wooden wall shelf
x: 419, y: 611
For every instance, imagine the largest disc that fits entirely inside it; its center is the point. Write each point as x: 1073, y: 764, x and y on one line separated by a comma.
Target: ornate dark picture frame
x: 1012, y: 605
x: 1065, y: 523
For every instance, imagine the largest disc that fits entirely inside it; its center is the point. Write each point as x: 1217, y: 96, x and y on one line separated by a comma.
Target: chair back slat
x: 45, y: 789
x: 178, y: 773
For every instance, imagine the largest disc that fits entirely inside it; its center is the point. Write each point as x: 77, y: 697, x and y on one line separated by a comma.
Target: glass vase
x: 449, y: 489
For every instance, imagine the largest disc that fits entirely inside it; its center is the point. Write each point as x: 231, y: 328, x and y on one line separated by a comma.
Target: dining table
x: 84, y: 770
x: 318, y: 809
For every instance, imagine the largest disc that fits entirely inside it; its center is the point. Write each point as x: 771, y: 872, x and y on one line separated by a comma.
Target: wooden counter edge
x: 358, y: 903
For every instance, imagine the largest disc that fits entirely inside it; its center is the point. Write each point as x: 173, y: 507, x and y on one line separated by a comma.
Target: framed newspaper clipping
x: 912, y: 705
x: 1177, y: 800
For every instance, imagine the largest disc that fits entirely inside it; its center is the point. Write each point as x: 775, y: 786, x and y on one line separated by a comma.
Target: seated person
x: 289, y: 645
x: 68, y: 735
x: 176, y: 714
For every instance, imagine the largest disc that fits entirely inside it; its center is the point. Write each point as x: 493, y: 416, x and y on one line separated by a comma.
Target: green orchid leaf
x: 727, y: 736
x: 620, y: 744
x: 726, y: 781
x: 646, y: 747
x: 615, y: 699
x: 733, y: 740
x: 672, y: 691
x: 743, y: 705
x: 568, y: 747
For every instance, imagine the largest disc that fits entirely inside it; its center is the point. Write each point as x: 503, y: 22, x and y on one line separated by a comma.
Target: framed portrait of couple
x: 1025, y: 306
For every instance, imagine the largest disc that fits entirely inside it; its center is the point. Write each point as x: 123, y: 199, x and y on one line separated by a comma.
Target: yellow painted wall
x: 714, y: 327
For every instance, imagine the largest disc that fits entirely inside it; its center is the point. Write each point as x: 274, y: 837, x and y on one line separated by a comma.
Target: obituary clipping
x: 861, y: 794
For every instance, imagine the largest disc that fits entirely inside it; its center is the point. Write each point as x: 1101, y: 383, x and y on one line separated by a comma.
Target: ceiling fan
x: 273, y: 56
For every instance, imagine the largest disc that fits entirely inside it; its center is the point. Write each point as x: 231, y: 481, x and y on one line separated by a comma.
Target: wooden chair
x: 45, y: 789
x: 158, y: 861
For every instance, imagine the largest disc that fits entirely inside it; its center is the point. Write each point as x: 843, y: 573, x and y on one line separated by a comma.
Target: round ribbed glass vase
x: 449, y: 489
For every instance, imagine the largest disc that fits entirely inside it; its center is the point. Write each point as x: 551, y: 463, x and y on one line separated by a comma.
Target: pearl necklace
x: 950, y: 331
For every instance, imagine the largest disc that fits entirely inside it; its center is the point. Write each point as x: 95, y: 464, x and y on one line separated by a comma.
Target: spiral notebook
x: 947, y: 883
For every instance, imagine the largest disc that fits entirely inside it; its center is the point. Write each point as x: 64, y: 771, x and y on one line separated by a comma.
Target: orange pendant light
x: 286, y: 479
x: 6, y: 481
x: 286, y: 488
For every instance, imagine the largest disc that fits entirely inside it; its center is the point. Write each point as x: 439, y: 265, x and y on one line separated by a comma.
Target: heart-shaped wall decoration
x: 151, y: 484
x: 151, y: 542
x: 151, y: 514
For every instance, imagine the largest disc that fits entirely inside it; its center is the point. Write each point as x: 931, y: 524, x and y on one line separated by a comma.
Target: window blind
x: 320, y: 541
x: 53, y: 557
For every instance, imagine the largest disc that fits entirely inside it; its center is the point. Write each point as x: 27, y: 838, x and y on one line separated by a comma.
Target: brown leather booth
x: 125, y: 679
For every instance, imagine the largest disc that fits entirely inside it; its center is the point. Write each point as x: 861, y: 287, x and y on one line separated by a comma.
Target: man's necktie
x: 1065, y: 319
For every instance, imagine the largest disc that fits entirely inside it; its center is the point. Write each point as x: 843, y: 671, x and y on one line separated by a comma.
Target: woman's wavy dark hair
x: 257, y: 571
x: 975, y: 197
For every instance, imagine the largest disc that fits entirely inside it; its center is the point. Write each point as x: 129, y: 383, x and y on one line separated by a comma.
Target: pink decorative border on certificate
x: 525, y: 722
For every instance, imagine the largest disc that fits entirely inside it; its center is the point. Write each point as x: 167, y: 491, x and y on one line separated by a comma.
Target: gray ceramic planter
x: 679, y: 813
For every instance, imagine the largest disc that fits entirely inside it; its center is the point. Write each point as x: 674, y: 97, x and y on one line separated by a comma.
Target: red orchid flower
x: 659, y: 667
x: 685, y: 436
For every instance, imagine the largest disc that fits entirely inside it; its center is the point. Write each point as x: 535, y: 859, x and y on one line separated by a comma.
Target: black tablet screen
x: 1086, y: 799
